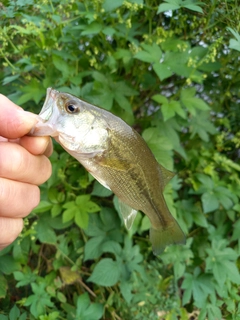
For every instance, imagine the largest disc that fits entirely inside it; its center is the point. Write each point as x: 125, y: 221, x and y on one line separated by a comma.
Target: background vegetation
x: 171, y: 70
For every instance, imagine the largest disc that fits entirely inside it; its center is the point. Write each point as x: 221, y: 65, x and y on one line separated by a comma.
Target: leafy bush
x: 171, y: 70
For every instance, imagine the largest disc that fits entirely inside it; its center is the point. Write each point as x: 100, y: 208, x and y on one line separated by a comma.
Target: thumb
x: 14, y: 121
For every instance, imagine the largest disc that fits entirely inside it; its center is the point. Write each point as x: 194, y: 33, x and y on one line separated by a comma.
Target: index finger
x: 14, y: 121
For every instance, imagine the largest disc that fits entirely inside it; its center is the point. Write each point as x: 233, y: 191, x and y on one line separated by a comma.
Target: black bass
x: 117, y: 156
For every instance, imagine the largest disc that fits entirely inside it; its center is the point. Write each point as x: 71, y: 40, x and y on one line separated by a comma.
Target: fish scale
x: 117, y: 156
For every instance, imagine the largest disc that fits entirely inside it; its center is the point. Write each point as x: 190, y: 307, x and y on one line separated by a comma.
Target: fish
x: 117, y: 156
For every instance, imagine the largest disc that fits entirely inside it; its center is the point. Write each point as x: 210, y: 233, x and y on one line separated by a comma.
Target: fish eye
x: 71, y: 108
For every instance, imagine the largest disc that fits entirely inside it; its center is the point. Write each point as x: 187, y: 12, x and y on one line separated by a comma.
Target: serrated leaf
x: 61, y: 65
x: 8, y: 265
x: 126, y: 291
x: 33, y: 91
x: 93, y: 28
x: 69, y: 214
x: 109, y: 5
x: 92, y: 249
x: 144, y: 56
x: 56, y: 210
x: 9, y: 79
x: 234, y: 44
x: 46, y: 234
x: 200, y: 219
x: 112, y: 247
x: 167, y: 111
x: 14, y: 313
x: 159, y: 98
x: 106, y: 273
x: 94, y: 312
x: 81, y: 219
x: 210, y: 202
x: 197, y: 285
x: 193, y: 7
x: 43, y: 206
x: 123, y: 102
x: 163, y: 71
x: 167, y: 6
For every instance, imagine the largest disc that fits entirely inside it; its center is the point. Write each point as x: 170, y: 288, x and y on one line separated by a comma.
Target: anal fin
x: 128, y: 214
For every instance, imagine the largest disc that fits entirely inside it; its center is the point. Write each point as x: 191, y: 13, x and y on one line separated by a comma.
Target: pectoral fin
x: 128, y: 214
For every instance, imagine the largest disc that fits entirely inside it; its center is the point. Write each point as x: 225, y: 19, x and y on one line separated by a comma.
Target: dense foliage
x: 171, y: 70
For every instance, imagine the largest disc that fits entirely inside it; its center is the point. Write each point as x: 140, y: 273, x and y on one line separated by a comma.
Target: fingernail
x: 43, y: 143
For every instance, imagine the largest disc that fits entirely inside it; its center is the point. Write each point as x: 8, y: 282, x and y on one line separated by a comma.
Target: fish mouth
x: 48, y: 105
x: 48, y: 113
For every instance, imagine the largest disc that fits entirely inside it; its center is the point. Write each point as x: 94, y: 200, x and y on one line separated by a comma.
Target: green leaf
x: 3, y: 286
x: 126, y: 291
x: 83, y: 302
x: 93, y: 248
x: 43, y: 206
x: 154, y: 50
x: 112, y: 247
x: 100, y: 191
x: 151, y: 53
x: 81, y: 219
x: 70, y: 213
x: 14, y: 313
x: 93, y: 28
x: 9, y: 79
x: 8, y: 264
x: 160, y: 145
x: 234, y: 44
x: 106, y: 273
x: 33, y: 91
x: 94, y: 312
x: 26, y: 278
x: 199, y: 286
x: 177, y: 4
x: 87, y: 310
x: 201, y: 125
x: 210, y: 202
x: 144, y: 56
x: 193, y: 7
x: 123, y: 102
x: 61, y: 65
x: 39, y: 300
x: 167, y: 6
x: 167, y: 111
x: 146, y: 224
x: 160, y: 99
x: 162, y: 70
x: 221, y: 261
x: 109, y: 5
x: 200, y: 219
x: 192, y: 103
x: 56, y: 210
x: 46, y: 234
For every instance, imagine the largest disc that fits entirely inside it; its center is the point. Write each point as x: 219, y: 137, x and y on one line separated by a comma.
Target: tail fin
x: 164, y: 236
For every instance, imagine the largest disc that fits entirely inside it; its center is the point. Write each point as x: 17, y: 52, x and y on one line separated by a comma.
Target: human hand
x: 23, y: 167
